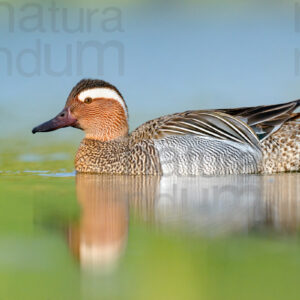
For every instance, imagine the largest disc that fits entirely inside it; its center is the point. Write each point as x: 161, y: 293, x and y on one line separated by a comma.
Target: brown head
x: 95, y: 106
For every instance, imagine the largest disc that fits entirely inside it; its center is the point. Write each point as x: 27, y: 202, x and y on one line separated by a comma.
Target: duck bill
x: 63, y: 119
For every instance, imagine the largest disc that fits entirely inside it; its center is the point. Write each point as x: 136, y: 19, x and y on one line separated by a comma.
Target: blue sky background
x: 177, y: 56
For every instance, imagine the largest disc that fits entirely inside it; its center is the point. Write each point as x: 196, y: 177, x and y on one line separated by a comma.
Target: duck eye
x: 88, y: 100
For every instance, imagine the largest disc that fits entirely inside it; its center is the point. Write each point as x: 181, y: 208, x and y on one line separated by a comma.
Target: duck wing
x: 208, y: 124
x: 265, y: 120
x: 247, y: 125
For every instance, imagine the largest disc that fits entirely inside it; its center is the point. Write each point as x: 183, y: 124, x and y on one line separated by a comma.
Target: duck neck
x: 109, y: 134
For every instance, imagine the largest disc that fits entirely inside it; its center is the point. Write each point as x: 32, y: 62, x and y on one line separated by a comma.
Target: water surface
x: 68, y: 236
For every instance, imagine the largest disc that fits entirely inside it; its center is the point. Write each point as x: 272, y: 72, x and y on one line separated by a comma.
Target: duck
x: 248, y: 140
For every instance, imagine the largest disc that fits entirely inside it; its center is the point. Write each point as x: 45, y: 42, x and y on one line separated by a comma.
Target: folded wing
x: 207, y: 124
x: 248, y: 125
x: 265, y: 120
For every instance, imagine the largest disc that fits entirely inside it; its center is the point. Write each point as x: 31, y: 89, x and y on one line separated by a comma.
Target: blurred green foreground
x: 93, y: 237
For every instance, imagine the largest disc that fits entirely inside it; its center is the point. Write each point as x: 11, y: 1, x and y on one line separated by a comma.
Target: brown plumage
x: 262, y: 139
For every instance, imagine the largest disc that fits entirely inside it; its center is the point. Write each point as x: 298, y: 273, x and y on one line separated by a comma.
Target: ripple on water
x: 65, y: 174
x: 30, y: 157
x: 40, y: 173
x: 51, y: 174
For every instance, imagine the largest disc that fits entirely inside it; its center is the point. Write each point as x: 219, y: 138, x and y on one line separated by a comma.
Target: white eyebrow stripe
x: 102, y: 93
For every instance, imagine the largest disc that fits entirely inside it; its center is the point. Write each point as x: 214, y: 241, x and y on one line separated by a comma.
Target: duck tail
x: 295, y: 117
x: 292, y: 115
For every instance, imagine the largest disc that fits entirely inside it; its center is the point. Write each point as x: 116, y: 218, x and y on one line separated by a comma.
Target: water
x: 67, y: 236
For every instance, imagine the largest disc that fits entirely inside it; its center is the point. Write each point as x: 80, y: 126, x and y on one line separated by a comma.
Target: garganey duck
x: 262, y: 139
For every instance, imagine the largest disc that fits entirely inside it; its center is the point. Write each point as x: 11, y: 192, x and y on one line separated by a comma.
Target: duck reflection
x: 101, y: 235
x: 202, y: 205
x: 224, y: 205
x: 281, y: 194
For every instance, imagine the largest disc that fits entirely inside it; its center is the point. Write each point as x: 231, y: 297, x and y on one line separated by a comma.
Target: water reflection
x: 224, y: 205
x: 201, y: 205
x: 101, y: 235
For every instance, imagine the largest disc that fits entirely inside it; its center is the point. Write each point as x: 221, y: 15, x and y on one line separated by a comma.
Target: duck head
x: 95, y: 106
